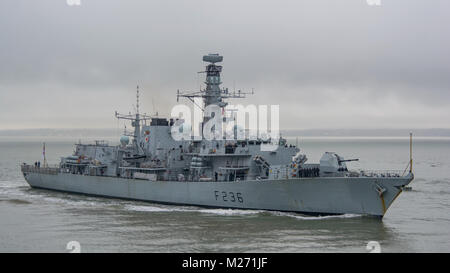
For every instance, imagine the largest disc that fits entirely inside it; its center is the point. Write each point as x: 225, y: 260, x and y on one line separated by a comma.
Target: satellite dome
x: 124, y: 140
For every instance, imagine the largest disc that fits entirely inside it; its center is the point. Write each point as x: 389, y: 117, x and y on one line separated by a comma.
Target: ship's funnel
x: 212, y: 58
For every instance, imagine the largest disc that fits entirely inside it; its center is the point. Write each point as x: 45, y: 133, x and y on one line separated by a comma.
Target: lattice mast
x: 136, y: 120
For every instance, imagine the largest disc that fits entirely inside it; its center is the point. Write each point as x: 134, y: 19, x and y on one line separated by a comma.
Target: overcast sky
x: 327, y: 63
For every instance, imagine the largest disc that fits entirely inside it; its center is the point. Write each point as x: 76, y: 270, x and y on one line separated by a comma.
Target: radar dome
x: 124, y: 140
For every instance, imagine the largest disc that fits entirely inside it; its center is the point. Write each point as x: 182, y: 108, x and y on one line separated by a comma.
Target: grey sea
x: 33, y: 220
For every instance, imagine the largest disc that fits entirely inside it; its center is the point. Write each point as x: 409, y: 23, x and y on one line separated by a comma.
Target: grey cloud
x: 343, y: 56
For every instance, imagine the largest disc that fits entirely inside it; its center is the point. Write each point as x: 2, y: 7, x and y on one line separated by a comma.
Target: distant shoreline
x: 306, y: 133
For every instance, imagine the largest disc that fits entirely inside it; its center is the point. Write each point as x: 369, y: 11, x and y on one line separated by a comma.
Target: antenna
x: 135, y: 122
x: 410, y: 152
x: 137, y: 100
x: 43, y: 153
x: 153, y: 104
x: 212, y: 94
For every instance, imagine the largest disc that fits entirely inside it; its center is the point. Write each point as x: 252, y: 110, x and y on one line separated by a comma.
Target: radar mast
x: 212, y: 94
x: 136, y: 123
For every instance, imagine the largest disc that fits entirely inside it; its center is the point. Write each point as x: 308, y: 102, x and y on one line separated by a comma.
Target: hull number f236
x: 228, y: 196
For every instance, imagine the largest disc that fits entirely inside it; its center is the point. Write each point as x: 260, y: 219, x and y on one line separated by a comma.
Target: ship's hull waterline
x: 314, y: 196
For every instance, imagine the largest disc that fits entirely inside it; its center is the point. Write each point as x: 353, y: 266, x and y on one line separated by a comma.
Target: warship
x: 150, y: 164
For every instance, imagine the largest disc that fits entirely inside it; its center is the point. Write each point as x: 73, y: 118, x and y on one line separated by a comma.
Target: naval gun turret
x: 332, y: 164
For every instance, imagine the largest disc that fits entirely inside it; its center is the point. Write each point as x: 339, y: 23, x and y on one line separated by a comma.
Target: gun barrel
x: 348, y: 160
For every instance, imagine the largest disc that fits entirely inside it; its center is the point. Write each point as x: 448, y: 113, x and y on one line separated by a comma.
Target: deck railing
x: 54, y: 169
x: 381, y: 173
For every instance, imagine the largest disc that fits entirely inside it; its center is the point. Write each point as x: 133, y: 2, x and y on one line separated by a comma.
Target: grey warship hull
x: 218, y: 160
x: 315, y: 196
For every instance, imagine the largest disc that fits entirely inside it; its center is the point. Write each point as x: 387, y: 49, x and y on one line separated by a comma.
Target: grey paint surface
x: 306, y: 195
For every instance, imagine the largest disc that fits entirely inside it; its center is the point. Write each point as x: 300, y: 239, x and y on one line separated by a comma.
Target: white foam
x: 304, y: 217
x: 154, y: 208
x: 224, y: 212
x: 230, y: 211
x: 235, y: 212
x: 69, y: 202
